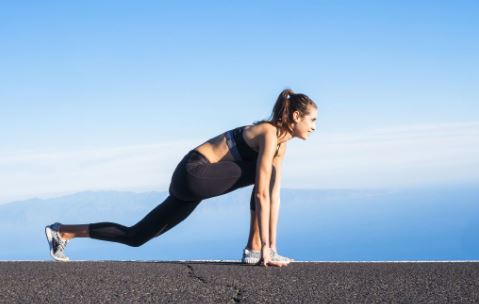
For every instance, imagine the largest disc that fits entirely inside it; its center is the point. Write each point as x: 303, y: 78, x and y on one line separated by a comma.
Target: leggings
x: 193, y: 180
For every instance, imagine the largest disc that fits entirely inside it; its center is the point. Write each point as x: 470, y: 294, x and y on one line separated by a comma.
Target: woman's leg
x: 254, y: 240
x: 159, y: 220
x: 194, y: 179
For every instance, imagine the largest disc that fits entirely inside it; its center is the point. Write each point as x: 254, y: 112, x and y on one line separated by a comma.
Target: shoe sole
x: 250, y: 260
x: 48, y: 233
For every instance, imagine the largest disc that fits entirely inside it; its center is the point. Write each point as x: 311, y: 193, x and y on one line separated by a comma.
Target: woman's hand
x: 266, y: 258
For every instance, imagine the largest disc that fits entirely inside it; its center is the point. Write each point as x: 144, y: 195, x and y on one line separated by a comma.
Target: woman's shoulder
x: 260, y: 130
x: 265, y: 130
x: 263, y: 127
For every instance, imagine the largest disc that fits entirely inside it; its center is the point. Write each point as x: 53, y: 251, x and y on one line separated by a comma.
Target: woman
x: 247, y: 155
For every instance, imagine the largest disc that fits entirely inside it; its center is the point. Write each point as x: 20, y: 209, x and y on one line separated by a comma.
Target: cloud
x: 44, y: 173
x: 394, y: 156
x: 387, y: 157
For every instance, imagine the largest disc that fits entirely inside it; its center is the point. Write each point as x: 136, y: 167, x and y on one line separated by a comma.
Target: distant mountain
x: 438, y: 223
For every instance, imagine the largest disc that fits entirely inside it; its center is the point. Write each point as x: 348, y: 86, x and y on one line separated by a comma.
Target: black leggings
x: 193, y: 180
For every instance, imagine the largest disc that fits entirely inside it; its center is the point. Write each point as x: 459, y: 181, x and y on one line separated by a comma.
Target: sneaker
x: 57, y: 245
x: 251, y: 257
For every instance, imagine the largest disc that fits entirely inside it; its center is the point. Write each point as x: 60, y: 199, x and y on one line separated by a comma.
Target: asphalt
x: 229, y: 282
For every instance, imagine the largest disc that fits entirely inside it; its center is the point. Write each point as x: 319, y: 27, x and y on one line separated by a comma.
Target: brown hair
x: 286, y: 104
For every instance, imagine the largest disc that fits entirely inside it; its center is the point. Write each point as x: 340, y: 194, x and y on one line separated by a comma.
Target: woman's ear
x: 296, y: 116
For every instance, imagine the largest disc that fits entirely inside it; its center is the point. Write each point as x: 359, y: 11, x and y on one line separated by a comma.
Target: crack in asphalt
x: 238, y: 291
x: 193, y: 274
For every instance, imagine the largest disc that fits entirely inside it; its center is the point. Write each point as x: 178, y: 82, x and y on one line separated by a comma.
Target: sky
x: 112, y: 94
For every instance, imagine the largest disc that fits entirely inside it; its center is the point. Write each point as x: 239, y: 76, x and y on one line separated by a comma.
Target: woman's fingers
x: 277, y: 264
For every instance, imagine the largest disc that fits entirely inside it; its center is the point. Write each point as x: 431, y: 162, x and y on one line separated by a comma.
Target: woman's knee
x: 135, y: 238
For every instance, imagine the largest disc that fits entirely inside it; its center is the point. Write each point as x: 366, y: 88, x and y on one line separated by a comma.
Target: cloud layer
x: 389, y: 157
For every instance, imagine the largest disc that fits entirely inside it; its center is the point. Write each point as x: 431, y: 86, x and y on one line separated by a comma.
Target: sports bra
x: 238, y: 146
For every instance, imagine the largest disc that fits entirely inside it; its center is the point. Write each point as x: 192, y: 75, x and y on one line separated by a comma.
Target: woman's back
x: 221, y: 148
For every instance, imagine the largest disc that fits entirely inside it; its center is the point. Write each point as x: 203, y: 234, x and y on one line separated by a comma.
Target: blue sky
x: 111, y: 95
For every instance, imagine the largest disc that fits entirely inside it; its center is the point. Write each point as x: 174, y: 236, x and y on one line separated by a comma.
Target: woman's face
x: 306, y: 124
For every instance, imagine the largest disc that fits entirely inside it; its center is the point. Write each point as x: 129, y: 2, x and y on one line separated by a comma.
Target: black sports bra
x: 238, y: 146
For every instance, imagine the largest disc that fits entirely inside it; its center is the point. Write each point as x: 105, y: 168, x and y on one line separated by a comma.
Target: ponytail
x: 287, y: 103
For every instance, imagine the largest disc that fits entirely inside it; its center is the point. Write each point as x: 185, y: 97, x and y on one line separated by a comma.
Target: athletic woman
x: 247, y: 155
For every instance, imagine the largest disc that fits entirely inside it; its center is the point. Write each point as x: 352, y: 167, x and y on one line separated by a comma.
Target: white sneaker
x: 57, y: 245
x: 251, y: 257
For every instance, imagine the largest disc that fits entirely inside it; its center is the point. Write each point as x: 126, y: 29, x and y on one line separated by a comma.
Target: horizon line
x: 239, y: 261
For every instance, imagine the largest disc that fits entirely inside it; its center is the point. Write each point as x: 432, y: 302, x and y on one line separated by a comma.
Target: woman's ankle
x: 254, y: 247
x: 68, y: 232
x: 66, y: 236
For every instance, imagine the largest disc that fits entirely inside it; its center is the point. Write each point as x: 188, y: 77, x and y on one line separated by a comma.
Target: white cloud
x: 142, y: 168
x: 397, y: 156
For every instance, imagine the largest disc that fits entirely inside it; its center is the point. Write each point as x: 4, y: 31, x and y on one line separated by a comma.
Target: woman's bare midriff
x: 216, y: 149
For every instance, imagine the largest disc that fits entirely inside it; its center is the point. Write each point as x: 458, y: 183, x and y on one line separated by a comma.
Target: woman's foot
x: 279, y: 258
x: 56, y: 243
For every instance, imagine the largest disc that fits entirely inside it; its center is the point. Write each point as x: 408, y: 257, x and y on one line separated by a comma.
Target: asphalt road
x: 226, y: 282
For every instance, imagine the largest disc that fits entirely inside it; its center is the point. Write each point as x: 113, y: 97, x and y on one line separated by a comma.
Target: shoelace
x: 61, y: 244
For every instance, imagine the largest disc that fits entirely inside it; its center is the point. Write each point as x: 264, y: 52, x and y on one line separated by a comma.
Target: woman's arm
x: 275, y: 195
x: 267, y: 146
